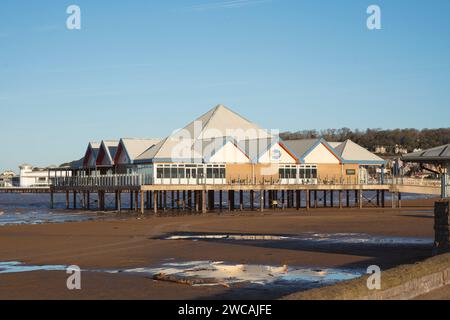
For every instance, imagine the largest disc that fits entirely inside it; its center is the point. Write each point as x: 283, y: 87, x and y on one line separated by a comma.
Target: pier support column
x: 67, y: 200
x: 324, y: 198
x: 361, y: 199
x: 131, y: 200
x: 261, y: 201
x: 52, y: 200
x: 211, y: 200
x: 142, y: 203
x: 172, y: 200
x: 74, y: 200
x: 383, y: 198
x: 220, y: 200
x: 88, y: 200
x: 441, y: 227
x: 340, y: 199
x: 400, y: 200
x: 241, y: 200
x: 136, y: 200
x: 356, y: 198
x: 155, y: 202
x: 252, y: 199
x: 298, y: 199
x: 393, y: 200
x: 204, y: 209
x: 189, y: 199
x: 308, y: 199
x: 165, y: 201
x: 119, y: 201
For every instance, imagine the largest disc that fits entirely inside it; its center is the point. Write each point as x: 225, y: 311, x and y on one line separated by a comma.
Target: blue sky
x: 144, y: 68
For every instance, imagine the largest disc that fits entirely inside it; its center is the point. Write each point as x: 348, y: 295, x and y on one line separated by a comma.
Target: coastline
x: 138, y: 242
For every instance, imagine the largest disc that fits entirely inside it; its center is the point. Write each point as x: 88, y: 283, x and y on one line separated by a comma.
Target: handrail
x: 137, y: 180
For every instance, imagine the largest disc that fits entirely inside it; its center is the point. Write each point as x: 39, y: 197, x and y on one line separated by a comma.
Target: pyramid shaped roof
x: 186, y: 145
x: 354, y: 153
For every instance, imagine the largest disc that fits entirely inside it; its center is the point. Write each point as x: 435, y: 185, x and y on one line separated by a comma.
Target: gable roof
x: 135, y: 147
x: 304, y: 147
x: 108, y: 149
x: 437, y: 154
x: 91, y: 151
x: 352, y: 152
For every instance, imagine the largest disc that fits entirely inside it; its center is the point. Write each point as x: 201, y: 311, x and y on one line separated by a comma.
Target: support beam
x: 67, y: 200
x: 298, y: 199
x: 142, y: 203
x: 204, y: 209
x: 74, y: 200
x: 308, y: 199
x: 119, y: 201
x: 52, y: 200
x: 155, y: 202
x: 261, y: 201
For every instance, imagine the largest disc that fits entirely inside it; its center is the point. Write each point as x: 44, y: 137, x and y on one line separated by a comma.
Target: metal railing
x: 137, y: 180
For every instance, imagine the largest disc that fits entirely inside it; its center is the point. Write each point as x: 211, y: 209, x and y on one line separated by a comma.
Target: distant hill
x: 372, y: 138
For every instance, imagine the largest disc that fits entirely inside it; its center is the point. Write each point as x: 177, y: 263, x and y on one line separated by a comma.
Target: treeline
x: 371, y: 138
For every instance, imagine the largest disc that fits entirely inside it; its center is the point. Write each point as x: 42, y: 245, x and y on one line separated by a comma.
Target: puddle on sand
x: 209, y: 273
x: 222, y: 273
x: 19, y: 267
x: 308, y: 238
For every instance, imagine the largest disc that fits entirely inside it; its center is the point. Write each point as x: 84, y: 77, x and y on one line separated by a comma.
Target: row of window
x: 190, y: 171
x: 304, y: 172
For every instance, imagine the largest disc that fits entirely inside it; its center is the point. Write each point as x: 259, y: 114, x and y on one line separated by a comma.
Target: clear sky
x: 144, y: 68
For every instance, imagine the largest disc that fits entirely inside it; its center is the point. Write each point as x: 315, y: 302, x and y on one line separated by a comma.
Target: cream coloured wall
x: 321, y: 154
x: 276, y: 154
x: 229, y: 153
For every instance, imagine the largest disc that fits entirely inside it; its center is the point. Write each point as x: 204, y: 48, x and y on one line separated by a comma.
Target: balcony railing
x: 137, y: 180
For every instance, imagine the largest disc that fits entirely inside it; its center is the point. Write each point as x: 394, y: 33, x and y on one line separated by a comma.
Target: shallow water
x: 34, y: 209
x: 19, y: 267
x: 308, y: 237
x: 222, y: 273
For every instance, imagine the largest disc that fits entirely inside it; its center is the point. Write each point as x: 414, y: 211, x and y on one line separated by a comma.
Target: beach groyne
x: 401, y: 283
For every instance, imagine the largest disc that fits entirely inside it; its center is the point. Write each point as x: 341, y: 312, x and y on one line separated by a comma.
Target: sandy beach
x: 140, y: 242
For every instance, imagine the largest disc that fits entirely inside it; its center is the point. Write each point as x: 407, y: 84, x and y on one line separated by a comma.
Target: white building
x: 38, y: 177
x: 6, y: 179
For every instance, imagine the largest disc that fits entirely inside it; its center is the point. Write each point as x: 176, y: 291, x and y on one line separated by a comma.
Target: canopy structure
x: 439, y: 156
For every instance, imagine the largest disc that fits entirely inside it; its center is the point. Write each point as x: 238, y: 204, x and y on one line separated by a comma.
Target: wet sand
x: 133, y: 243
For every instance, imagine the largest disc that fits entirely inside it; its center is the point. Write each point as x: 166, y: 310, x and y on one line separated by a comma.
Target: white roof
x: 135, y: 147
x: 351, y: 151
x: 187, y: 144
x: 223, y: 122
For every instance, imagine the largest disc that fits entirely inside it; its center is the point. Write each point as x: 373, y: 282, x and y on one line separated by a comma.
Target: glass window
x: 159, y: 173
x: 293, y: 173
x: 209, y: 173
x: 222, y: 173
x: 174, y: 172
x: 216, y: 173
x: 314, y: 173
x: 166, y: 173
x: 181, y: 174
x: 308, y: 173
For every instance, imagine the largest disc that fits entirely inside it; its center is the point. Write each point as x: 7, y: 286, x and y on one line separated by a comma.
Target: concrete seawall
x: 400, y: 283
